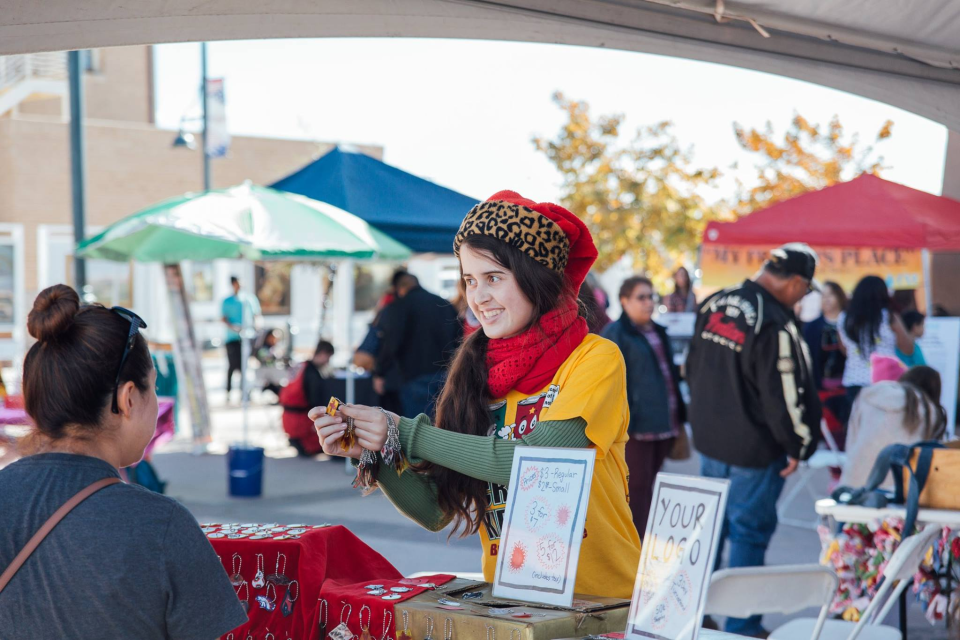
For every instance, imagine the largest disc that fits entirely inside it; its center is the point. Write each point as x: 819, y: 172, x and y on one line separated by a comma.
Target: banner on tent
x: 727, y: 265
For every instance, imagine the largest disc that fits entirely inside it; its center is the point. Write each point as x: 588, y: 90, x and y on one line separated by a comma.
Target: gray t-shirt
x: 125, y: 563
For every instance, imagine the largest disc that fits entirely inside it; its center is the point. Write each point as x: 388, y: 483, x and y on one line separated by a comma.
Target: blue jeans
x: 420, y: 394
x: 749, y: 521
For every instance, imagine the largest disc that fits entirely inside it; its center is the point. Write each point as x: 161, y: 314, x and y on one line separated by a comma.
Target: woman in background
x: 682, y: 300
x: 869, y: 326
x: 828, y: 360
x: 913, y: 322
x: 657, y: 411
x: 901, y: 412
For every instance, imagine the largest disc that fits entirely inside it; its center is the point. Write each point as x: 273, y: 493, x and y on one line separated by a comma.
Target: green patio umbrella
x: 245, y: 221
x: 242, y: 222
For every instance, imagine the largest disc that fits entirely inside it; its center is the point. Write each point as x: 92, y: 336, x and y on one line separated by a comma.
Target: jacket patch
x: 736, y: 306
x: 724, y: 331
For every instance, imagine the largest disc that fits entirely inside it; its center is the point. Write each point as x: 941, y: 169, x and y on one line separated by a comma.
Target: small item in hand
x: 349, y: 438
x: 333, y: 406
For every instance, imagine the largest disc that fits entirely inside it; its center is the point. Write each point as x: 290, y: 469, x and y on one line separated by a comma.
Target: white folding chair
x: 786, y: 589
x: 897, y: 576
x: 822, y: 458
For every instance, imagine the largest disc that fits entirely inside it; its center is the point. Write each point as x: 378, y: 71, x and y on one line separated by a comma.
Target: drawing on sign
x: 543, y: 524
x: 676, y: 561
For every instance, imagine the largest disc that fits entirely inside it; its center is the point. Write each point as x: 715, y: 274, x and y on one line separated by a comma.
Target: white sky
x: 462, y: 113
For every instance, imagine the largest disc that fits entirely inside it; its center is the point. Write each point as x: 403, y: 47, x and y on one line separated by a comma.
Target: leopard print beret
x: 529, y: 231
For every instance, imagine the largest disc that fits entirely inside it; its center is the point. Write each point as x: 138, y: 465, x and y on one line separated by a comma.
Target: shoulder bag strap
x: 48, y: 526
x: 918, y: 480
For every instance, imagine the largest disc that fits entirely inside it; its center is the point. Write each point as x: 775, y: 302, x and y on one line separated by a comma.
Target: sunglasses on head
x: 136, y: 323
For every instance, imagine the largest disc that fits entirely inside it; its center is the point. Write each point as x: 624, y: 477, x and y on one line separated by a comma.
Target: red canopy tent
x: 865, y: 226
x: 864, y: 212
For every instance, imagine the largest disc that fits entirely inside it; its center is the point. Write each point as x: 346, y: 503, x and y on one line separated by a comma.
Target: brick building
x: 130, y: 164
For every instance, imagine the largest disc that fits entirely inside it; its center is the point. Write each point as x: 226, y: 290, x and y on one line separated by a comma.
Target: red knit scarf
x: 528, y: 361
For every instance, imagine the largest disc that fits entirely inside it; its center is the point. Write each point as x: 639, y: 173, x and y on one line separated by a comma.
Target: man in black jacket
x: 754, y: 408
x: 420, y: 333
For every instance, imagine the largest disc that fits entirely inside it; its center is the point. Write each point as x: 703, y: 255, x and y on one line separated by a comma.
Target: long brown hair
x: 924, y: 382
x: 463, y: 404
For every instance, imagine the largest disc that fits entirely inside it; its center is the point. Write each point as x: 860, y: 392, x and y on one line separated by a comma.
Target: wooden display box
x: 942, y: 490
x: 589, y: 615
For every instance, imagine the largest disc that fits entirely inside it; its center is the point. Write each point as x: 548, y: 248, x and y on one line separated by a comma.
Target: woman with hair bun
x: 124, y: 562
x: 533, y: 375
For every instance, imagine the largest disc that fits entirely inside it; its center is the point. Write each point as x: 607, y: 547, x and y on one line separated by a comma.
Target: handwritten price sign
x: 543, y: 524
x: 676, y: 562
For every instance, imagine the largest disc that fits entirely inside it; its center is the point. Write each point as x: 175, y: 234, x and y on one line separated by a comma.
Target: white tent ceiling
x: 903, y: 52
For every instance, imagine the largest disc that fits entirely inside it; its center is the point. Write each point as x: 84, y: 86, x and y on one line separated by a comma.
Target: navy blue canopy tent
x: 420, y: 214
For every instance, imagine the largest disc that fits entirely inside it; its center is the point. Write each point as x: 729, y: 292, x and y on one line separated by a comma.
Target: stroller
x: 272, y: 351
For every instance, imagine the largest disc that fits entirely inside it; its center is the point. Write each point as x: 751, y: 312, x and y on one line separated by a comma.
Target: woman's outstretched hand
x: 370, y: 424
x: 330, y: 430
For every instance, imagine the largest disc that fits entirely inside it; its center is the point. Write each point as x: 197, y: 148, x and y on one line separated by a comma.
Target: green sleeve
x: 414, y: 495
x: 483, y: 457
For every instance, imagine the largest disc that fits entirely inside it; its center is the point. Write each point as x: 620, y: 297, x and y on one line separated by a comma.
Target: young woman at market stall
x: 125, y: 562
x: 532, y: 376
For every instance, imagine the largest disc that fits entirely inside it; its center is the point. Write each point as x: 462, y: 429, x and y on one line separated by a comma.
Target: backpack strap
x: 918, y: 480
x: 48, y: 526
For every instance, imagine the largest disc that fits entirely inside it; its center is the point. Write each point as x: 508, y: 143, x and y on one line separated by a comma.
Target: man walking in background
x: 238, y: 311
x: 419, y: 333
x: 754, y: 408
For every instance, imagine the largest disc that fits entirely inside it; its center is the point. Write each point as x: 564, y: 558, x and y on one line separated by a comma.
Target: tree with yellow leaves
x: 810, y: 157
x: 640, y: 198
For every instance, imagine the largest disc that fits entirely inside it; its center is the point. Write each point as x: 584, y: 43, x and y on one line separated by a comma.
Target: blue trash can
x: 246, y: 471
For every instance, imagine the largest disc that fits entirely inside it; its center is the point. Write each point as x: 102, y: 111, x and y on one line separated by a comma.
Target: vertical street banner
x: 543, y: 524
x: 218, y: 138
x: 676, y: 561
x: 188, y: 354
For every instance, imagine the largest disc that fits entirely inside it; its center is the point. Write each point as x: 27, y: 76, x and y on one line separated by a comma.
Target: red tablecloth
x: 15, y: 414
x: 327, y: 553
x: 346, y: 602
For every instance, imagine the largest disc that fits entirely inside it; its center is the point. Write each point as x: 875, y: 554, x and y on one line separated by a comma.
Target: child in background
x: 913, y: 322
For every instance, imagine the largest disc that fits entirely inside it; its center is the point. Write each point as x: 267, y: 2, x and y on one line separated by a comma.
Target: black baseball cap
x: 795, y: 259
